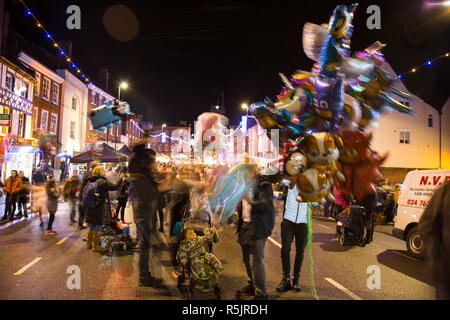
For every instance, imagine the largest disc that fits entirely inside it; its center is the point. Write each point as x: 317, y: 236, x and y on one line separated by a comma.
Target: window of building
x: 74, y: 103
x: 46, y: 89
x: 430, y: 121
x: 55, y: 93
x: 53, y: 123
x: 37, y: 88
x: 405, y: 136
x: 9, y: 82
x: 93, y: 97
x: 21, y: 124
x: 44, y: 120
x: 4, y: 129
x: 72, y: 129
x: 35, y: 117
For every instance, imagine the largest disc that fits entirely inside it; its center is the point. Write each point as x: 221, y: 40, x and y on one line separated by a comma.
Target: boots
x: 89, y: 239
x: 96, y: 239
x: 284, y: 285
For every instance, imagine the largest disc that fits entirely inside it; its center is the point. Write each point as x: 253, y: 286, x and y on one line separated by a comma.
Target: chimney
x: 66, y: 45
x: 103, y: 79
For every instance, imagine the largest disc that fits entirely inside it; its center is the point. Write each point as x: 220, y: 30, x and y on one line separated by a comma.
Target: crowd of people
x: 178, y: 193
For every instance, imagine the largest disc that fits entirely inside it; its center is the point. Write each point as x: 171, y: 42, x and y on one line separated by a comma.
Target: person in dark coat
x: 145, y: 203
x: 53, y: 193
x: 255, y: 224
x: 101, y: 214
x: 122, y: 196
x: 434, y: 229
x: 162, y: 203
x: 81, y: 211
x: 22, y: 197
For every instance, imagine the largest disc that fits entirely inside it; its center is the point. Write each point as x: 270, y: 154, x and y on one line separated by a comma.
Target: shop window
x: 72, y: 129
x: 9, y: 82
x: 430, y: 121
x: 37, y: 88
x: 5, y: 130
x: 404, y: 136
x: 46, y: 89
x: 55, y: 93
x: 53, y: 123
x: 44, y: 120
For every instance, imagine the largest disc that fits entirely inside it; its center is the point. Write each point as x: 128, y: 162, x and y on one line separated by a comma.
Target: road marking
x: 323, y: 226
x: 275, y: 242
x: 27, y: 266
x: 342, y: 288
x: 404, y: 255
x: 64, y: 239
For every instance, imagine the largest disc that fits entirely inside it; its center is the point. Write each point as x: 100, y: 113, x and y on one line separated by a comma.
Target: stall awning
x: 23, y: 149
x: 105, y: 154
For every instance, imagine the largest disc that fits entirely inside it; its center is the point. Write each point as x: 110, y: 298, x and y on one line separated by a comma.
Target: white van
x: 418, y: 187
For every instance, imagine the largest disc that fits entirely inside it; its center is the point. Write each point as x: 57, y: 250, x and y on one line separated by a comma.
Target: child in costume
x: 192, y: 247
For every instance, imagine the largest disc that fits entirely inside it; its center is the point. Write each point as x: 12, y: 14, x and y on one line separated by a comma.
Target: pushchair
x: 111, y: 231
x: 351, y: 226
x: 206, y: 284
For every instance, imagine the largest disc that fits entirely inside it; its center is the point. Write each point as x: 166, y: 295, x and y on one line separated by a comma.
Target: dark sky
x: 185, y: 53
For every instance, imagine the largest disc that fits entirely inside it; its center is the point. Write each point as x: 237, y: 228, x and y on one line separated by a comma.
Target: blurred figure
x: 145, y: 203
x: 39, y: 202
x: 434, y: 228
x: 162, y: 203
x: 98, y: 207
x: 256, y: 221
x: 71, y: 192
x: 53, y: 194
x: 37, y: 176
x: 22, y: 197
x: 389, y: 208
x: 122, y: 196
x: 81, y: 210
x: 12, y: 187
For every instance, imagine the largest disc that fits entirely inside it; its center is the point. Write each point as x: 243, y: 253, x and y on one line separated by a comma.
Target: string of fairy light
x: 55, y: 44
x: 426, y: 64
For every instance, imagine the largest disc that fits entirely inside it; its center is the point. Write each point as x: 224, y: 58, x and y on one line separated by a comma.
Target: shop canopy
x: 125, y: 150
x: 105, y: 154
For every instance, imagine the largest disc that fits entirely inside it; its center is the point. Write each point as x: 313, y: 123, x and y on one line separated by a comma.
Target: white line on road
x: 27, y: 266
x: 342, y: 288
x: 323, y: 226
x: 275, y: 242
x: 405, y: 256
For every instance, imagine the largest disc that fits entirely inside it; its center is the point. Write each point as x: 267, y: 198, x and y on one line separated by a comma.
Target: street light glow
x: 244, y: 106
x: 124, y: 85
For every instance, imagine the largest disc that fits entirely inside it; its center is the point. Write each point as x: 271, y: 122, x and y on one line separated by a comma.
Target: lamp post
x: 122, y: 85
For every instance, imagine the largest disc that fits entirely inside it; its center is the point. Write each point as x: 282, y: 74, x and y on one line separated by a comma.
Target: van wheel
x: 415, y: 244
x: 342, y: 238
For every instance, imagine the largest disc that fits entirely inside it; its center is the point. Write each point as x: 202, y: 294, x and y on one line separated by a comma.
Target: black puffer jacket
x: 102, y: 213
x: 263, y: 210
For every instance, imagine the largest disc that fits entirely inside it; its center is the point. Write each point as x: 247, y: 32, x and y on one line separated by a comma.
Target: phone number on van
x: 420, y: 203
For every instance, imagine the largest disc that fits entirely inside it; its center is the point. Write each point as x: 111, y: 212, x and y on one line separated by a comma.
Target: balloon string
x: 311, y: 263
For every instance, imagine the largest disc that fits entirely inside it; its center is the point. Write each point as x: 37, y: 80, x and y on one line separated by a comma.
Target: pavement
x: 37, y: 266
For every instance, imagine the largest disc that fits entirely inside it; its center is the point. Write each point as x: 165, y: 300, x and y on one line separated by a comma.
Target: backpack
x: 90, y: 196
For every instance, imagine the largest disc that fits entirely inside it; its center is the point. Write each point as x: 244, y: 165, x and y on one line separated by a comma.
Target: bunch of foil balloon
x: 323, y: 114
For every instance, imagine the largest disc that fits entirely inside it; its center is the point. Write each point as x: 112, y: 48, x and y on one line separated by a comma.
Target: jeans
x: 22, y: 203
x: 328, y: 209
x: 126, y: 232
x: 289, y: 230
x: 143, y: 232
x: 50, y: 220
x: 253, y: 256
x: 120, y: 211
x: 10, y: 205
x: 81, y: 215
x: 73, y: 208
x: 95, y: 227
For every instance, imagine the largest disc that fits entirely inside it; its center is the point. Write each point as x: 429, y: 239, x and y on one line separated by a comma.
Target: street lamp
x: 122, y: 85
x: 244, y: 106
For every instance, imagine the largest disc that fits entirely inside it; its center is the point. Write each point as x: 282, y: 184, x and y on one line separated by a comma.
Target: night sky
x: 178, y: 56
